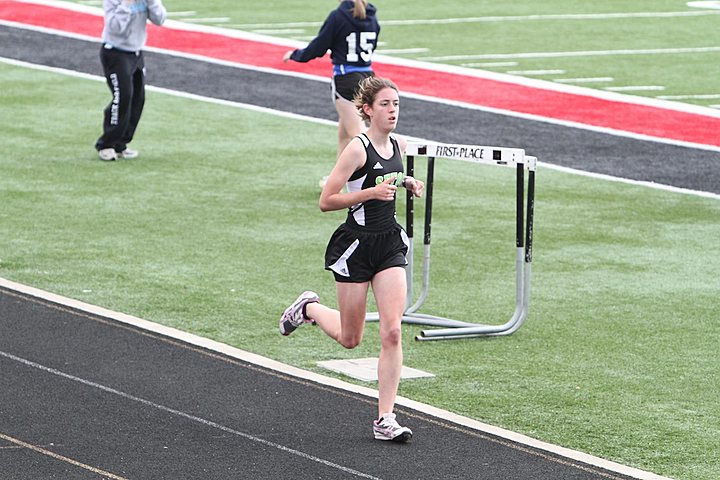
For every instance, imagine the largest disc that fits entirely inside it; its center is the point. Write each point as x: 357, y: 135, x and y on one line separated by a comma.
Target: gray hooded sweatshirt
x: 125, y: 22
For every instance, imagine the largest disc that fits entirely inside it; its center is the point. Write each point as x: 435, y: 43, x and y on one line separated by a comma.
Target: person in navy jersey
x: 369, y: 249
x: 351, y: 33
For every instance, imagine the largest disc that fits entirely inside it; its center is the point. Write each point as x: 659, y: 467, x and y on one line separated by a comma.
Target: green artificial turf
x: 215, y: 229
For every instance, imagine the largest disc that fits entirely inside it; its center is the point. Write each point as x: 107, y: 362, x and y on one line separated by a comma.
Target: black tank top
x: 375, y: 215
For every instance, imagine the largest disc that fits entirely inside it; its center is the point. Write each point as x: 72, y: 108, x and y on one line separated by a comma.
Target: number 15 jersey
x: 351, y: 40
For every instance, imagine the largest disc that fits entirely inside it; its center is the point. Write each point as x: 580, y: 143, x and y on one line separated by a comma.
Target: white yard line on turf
x: 500, y: 19
x: 578, y: 53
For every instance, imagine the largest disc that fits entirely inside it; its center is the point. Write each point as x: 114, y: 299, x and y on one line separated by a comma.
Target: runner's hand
x: 385, y: 191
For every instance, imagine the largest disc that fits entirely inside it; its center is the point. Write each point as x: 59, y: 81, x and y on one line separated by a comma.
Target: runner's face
x: 386, y: 109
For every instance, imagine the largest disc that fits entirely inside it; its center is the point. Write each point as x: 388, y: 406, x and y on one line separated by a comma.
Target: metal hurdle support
x: 507, y: 157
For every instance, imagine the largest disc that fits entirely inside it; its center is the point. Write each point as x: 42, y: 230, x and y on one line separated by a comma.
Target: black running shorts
x: 345, y: 86
x: 355, y: 256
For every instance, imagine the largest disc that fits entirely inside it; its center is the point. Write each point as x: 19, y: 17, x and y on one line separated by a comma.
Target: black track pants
x: 124, y: 72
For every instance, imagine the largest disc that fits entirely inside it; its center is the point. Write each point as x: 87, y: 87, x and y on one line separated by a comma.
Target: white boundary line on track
x: 265, y: 362
x: 305, y: 118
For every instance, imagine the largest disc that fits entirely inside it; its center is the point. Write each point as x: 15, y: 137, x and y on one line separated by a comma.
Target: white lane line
x: 708, y: 96
x: 280, y: 31
x: 186, y: 13
x: 490, y: 64
x: 586, y: 53
x: 635, y: 88
x: 535, y: 72
x: 584, y: 80
x: 187, y: 416
x: 402, y: 51
x: 208, y: 20
x: 711, y: 4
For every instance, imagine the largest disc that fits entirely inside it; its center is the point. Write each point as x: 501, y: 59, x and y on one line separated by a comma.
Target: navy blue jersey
x: 375, y: 215
x: 350, y: 40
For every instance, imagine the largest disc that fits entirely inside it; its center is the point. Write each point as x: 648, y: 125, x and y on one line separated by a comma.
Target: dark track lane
x: 684, y: 167
x: 142, y: 428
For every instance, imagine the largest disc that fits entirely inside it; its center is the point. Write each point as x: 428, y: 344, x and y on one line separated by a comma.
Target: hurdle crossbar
x: 501, y: 156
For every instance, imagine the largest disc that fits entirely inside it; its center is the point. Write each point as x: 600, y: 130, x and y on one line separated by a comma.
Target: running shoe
x: 294, y: 315
x: 387, y: 428
x: 107, y: 154
x: 128, y: 153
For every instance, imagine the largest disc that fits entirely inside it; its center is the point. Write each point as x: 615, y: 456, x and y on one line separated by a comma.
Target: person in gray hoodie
x: 123, y: 38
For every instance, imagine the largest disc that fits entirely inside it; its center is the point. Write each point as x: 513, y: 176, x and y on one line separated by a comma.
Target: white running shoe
x: 128, y: 153
x: 387, y: 428
x: 107, y: 154
x: 293, y: 316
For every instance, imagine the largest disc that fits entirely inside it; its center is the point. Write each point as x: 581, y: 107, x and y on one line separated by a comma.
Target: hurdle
x: 500, y: 156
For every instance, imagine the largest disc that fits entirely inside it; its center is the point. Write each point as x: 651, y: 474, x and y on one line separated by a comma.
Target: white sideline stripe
x: 635, y: 88
x: 490, y: 64
x: 586, y: 53
x: 498, y: 19
x: 186, y: 13
x: 185, y: 415
x: 705, y: 4
x: 643, y: 183
x: 321, y: 121
x: 402, y: 51
x: 585, y: 80
x: 280, y: 31
x: 444, y: 68
x: 208, y: 20
x: 249, y: 357
x: 536, y: 72
x: 705, y: 96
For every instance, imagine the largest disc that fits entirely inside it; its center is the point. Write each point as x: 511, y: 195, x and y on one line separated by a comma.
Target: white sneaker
x: 293, y: 316
x: 128, y: 153
x: 387, y: 428
x: 323, y: 181
x: 107, y: 154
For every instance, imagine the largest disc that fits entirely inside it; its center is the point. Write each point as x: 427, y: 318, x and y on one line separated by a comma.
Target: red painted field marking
x: 622, y: 115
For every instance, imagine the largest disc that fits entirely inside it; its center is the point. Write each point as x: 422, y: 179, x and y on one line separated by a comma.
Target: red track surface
x: 585, y: 109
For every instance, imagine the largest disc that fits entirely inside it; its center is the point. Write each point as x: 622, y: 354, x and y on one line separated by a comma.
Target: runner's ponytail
x: 359, y: 10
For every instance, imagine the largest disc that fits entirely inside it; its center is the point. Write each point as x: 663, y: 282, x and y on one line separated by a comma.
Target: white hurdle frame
x: 502, y: 156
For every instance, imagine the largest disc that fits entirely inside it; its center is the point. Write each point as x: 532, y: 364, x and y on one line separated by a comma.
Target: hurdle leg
x: 523, y: 279
x: 426, y: 236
